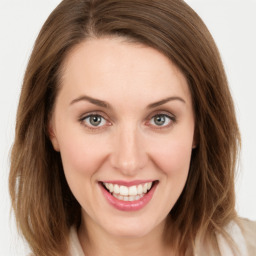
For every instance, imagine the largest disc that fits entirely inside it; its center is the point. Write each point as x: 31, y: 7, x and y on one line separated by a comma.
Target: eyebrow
x: 104, y: 104
x: 94, y: 101
x: 161, y: 102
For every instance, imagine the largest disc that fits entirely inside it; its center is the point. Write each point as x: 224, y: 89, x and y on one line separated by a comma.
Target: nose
x: 129, y: 155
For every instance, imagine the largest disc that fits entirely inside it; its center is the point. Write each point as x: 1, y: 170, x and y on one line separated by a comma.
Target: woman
x: 126, y: 137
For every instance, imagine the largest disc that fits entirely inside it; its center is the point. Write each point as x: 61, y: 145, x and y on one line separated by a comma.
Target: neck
x: 97, y: 242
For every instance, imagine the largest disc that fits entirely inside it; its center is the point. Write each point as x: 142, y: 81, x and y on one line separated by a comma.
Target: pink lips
x: 128, y: 205
x: 127, y: 183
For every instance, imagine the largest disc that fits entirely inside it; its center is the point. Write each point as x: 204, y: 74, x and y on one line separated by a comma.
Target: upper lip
x: 127, y: 183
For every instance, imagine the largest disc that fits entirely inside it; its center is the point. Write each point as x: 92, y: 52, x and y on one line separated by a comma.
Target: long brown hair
x: 44, y: 206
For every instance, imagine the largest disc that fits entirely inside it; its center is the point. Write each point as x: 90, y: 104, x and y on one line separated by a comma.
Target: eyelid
x: 94, y: 113
x: 172, y: 117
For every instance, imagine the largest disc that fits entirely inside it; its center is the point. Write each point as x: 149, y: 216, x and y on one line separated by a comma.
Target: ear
x: 52, y: 136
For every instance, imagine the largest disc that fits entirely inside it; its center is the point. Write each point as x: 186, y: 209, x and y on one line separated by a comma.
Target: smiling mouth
x: 128, y: 193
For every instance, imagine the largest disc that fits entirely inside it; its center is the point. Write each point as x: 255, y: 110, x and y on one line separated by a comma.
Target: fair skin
x: 128, y: 139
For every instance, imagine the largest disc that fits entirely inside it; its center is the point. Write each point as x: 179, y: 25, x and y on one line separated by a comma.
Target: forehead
x: 101, y: 66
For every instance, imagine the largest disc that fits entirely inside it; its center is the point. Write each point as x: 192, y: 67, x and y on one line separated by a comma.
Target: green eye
x: 160, y: 120
x: 94, y: 120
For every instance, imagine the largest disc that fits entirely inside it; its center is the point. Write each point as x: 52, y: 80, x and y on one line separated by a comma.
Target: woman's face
x: 123, y: 123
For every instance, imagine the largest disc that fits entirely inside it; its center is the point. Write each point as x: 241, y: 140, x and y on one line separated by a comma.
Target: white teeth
x: 139, y: 190
x: 130, y: 192
x: 118, y: 197
x: 131, y: 198
x: 127, y: 198
x: 145, y: 188
x: 116, y: 189
x: 149, y: 185
x: 124, y: 191
x: 111, y: 187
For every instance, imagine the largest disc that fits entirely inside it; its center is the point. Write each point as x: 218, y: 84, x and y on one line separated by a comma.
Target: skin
x: 127, y: 145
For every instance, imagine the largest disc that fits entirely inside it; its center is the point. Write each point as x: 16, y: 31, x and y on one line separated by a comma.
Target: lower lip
x: 128, y: 205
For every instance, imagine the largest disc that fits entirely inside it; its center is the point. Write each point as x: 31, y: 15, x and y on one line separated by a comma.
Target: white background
x: 232, y: 24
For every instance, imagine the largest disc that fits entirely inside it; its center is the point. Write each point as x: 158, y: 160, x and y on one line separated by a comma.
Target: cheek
x: 173, y: 158
x: 173, y: 152
x: 173, y: 161
x: 81, y: 155
x: 81, y: 159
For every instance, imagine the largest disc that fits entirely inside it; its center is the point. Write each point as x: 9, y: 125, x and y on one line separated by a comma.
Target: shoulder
x: 242, y: 233
x: 74, y: 244
x: 248, y: 229
x: 247, y: 226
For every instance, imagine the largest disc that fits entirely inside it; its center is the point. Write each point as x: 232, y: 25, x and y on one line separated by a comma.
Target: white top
x: 243, y: 234
x: 75, y: 248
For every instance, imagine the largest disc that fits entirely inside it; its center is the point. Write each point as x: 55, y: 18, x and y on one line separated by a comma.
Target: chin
x: 130, y: 229
x: 129, y: 233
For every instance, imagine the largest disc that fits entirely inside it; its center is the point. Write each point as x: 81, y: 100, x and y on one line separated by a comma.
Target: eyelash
x: 91, y: 127
x: 172, y: 120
